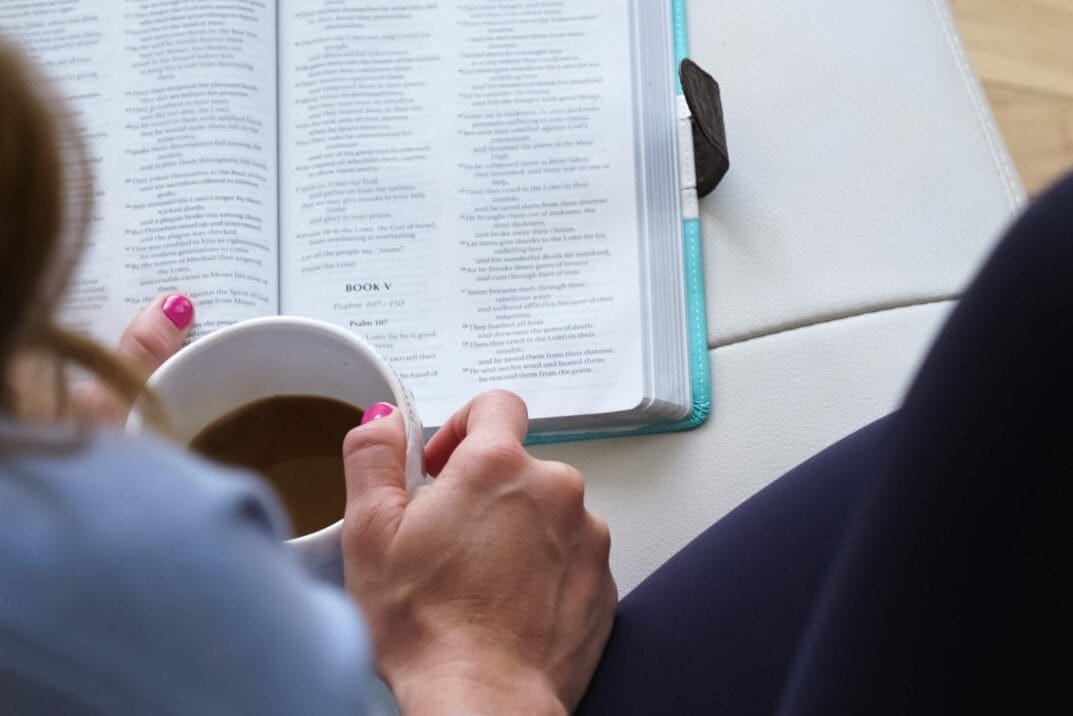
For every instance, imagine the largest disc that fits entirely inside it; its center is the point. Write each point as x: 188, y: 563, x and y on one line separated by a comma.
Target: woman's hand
x: 154, y: 335
x: 488, y: 591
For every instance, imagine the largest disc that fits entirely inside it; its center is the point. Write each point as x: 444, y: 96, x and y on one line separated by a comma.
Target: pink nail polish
x: 179, y: 310
x: 376, y: 411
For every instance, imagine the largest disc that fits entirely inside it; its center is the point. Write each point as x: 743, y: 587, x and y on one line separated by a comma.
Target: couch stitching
x: 832, y: 317
x: 1003, y: 168
x: 987, y: 126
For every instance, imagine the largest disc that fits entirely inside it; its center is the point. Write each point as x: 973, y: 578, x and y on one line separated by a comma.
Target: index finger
x: 495, y: 415
x: 157, y: 332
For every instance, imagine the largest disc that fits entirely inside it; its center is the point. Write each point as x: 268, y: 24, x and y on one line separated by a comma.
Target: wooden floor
x: 1023, y: 53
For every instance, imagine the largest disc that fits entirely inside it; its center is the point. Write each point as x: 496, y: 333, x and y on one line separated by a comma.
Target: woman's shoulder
x: 107, y: 515
x: 100, y: 481
x: 138, y: 559
x: 81, y: 503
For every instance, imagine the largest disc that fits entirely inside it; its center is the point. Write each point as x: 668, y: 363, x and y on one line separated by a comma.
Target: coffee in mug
x: 296, y: 443
x: 265, y: 358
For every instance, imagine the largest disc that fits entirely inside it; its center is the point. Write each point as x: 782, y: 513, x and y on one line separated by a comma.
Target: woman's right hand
x: 488, y: 591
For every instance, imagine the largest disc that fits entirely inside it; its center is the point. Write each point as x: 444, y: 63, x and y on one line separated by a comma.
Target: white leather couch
x: 867, y: 183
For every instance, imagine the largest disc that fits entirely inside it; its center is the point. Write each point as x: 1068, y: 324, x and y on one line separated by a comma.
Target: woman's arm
x: 490, y: 590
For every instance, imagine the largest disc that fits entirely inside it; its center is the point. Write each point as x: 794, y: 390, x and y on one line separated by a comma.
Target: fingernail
x: 376, y: 411
x: 179, y: 310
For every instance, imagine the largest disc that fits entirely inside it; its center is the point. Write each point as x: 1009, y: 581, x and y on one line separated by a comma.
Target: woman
x: 135, y: 578
x: 920, y: 565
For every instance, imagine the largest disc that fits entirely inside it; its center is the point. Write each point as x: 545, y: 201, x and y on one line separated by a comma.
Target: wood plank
x: 1022, y: 42
x: 1038, y: 129
x: 1023, y: 52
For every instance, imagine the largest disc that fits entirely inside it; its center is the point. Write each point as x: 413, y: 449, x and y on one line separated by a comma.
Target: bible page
x: 177, y: 101
x: 458, y: 186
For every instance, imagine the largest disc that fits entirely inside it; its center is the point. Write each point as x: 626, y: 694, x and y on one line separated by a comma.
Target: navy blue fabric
x: 918, y: 566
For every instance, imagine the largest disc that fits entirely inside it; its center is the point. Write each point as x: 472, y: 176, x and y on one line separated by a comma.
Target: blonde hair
x: 46, y: 194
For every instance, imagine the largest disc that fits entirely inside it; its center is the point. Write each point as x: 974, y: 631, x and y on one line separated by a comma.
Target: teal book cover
x: 700, y: 372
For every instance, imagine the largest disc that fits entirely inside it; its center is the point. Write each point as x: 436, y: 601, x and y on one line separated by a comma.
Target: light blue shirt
x: 137, y: 579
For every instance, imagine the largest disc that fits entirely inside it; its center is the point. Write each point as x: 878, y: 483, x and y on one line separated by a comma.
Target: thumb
x: 374, y: 461
x: 157, y: 332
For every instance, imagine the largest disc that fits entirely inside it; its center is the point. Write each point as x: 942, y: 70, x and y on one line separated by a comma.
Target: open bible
x: 490, y: 192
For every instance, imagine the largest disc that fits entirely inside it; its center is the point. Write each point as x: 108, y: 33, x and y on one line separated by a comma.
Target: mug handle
x: 415, y: 444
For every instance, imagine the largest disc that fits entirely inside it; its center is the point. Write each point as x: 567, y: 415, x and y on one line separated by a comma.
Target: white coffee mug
x: 281, y: 355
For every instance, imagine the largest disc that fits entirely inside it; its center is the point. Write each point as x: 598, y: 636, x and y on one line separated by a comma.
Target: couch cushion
x: 781, y: 398
x: 866, y: 170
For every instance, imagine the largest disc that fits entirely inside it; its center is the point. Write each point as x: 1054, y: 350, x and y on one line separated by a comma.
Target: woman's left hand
x: 154, y: 335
